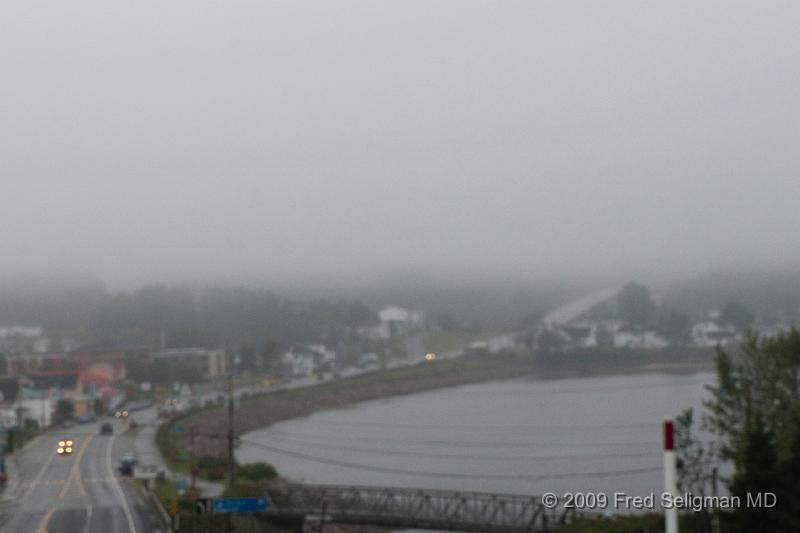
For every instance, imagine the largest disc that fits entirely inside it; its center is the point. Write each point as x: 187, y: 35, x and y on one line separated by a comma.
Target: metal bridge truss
x: 415, y: 508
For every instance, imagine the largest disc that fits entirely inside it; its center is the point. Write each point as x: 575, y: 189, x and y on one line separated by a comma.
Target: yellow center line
x: 45, y: 519
x: 75, y: 473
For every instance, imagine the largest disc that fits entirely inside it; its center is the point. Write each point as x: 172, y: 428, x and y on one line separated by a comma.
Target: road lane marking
x: 75, y: 473
x: 45, y: 519
x: 83, y: 480
x: 88, y: 518
x: 120, y: 494
x: 66, y: 486
x: 39, y: 475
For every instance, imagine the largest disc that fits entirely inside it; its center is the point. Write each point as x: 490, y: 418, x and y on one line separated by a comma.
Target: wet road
x: 79, y: 493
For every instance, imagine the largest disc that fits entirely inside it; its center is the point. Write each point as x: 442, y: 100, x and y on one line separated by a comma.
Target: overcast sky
x: 144, y: 140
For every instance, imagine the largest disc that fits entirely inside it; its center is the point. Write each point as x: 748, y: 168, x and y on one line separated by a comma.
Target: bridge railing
x: 440, y: 509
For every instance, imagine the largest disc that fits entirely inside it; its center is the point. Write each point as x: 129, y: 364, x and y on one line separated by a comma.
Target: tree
x: 636, y: 306
x: 271, y: 351
x: 755, y: 472
x: 789, y: 468
x: 693, y: 460
x: 358, y: 313
x: 530, y: 320
x: 549, y: 340
x: 250, y: 360
x: 603, y: 337
x: 65, y: 409
x: 446, y: 322
x: 676, y: 328
x: 736, y: 315
x: 754, y: 410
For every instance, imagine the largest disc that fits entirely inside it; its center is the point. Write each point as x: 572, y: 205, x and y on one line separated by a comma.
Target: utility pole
x: 192, y: 457
x: 231, y: 460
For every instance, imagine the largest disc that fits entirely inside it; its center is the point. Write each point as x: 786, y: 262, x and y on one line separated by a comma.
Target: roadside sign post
x: 670, y: 476
x: 193, y: 467
x: 203, y: 506
x: 240, y: 505
x: 172, y: 510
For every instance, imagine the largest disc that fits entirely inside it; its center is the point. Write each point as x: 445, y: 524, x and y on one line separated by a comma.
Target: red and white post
x: 670, y: 475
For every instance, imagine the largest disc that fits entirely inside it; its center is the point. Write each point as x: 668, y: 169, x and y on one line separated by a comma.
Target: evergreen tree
x: 755, y: 411
x: 693, y: 459
x: 635, y: 305
x: 755, y: 472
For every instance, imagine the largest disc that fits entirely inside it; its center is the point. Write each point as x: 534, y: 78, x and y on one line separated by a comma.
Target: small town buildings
x: 401, y: 320
x: 36, y: 406
x: 22, y: 364
x: 646, y: 340
x: 57, y: 384
x: 710, y: 333
x: 307, y: 359
x: 23, y: 339
x: 100, y: 366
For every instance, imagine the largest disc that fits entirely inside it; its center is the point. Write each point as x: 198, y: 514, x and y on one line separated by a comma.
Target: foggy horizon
x: 253, y: 142
x: 400, y: 266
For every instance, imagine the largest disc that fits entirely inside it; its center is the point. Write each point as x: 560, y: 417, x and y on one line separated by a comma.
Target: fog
x: 190, y: 140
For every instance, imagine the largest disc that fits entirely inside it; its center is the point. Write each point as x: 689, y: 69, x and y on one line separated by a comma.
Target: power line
x: 483, y: 444
x: 389, y: 470
x: 436, y: 455
x: 613, y: 387
x: 516, y: 427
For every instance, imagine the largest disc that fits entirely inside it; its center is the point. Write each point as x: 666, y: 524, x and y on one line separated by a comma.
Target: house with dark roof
x: 64, y: 384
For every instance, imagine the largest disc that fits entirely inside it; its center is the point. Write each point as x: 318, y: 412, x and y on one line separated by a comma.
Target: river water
x: 525, y: 436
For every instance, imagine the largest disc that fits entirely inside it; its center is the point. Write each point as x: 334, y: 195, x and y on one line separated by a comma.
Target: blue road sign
x: 240, y: 505
x: 179, y: 429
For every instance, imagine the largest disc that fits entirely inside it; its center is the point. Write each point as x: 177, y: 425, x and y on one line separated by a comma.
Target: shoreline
x: 261, y: 411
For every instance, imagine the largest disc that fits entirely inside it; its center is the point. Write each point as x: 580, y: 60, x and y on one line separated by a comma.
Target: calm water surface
x: 522, y: 436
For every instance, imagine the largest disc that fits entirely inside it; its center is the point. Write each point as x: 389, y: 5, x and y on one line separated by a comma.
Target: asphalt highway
x: 77, y: 493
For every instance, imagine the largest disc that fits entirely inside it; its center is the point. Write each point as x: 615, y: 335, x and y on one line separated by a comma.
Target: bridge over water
x: 415, y: 508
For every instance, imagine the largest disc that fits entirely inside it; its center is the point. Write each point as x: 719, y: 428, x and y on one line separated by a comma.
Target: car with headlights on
x: 64, y: 447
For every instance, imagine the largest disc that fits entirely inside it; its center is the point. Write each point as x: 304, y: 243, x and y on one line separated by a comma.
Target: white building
x: 308, y: 359
x: 645, y: 340
x: 502, y: 343
x: 39, y: 410
x: 393, y: 321
x: 709, y: 334
x: 8, y: 416
x: 402, y: 316
x: 23, y: 339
